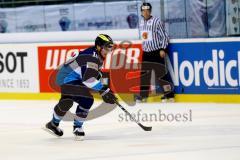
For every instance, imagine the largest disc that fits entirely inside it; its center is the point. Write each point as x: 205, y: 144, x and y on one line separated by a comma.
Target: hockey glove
x: 108, y: 96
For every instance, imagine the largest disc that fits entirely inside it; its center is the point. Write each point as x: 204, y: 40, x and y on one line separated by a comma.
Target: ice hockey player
x: 76, y: 78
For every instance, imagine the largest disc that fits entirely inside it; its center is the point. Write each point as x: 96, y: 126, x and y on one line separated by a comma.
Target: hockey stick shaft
x: 145, y: 128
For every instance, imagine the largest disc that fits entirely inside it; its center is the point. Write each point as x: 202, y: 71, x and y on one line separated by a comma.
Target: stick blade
x: 145, y: 128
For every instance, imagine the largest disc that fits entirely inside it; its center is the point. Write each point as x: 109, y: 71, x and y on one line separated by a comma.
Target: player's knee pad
x: 63, y: 106
x: 84, y: 105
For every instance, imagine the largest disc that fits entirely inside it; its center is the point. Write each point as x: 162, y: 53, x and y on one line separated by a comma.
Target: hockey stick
x: 145, y: 128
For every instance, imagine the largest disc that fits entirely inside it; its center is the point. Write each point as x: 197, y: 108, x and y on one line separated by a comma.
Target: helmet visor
x: 108, y: 47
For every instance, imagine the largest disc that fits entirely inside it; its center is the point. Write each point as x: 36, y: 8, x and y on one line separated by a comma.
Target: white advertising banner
x: 59, y: 17
x: 233, y: 19
x: 7, y: 20
x: 157, y: 9
x: 90, y: 16
x: 122, y: 14
x: 216, y: 18
x: 19, y: 68
x: 175, y: 18
x: 30, y: 19
x: 206, y: 17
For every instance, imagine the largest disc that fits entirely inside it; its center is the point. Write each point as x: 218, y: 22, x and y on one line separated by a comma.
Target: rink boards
x: 203, y: 69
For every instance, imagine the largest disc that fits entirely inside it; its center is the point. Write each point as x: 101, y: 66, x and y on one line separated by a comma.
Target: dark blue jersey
x: 85, y: 68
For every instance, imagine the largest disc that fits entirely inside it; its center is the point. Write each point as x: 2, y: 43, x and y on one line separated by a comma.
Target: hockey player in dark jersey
x: 76, y: 78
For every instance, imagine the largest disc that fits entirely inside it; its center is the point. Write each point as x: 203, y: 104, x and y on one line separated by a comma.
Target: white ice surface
x: 213, y: 134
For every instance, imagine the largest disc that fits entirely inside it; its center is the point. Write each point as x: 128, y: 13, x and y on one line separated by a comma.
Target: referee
x: 154, y: 42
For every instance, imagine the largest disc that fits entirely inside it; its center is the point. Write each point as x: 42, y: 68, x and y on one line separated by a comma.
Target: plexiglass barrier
x: 183, y: 18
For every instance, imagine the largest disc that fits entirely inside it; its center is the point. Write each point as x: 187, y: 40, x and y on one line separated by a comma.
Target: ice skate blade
x: 170, y: 100
x: 50, y: 132
x: 141, y: 101
x: 164, y: 100
x: 79, y: 138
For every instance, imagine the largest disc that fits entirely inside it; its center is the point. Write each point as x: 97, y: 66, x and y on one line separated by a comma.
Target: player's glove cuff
x: 108, y: 96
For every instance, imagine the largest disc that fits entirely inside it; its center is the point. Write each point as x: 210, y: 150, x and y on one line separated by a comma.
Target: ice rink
x: 210, y: 132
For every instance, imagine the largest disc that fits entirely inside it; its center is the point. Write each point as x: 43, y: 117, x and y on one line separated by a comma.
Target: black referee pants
x: 151, y: 61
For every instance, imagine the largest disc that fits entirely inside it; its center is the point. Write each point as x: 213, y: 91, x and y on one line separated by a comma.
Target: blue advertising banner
x: 205, y: 67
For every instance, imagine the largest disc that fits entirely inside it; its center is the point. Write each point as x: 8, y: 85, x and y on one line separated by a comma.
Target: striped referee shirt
x: 153, y: 34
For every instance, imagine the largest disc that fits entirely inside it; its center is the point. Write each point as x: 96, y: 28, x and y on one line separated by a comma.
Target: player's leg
x: 164, y: 78
x: 84, y: 105
x: 168, y: 88
x: 145, y: 79
x: 63, y: 106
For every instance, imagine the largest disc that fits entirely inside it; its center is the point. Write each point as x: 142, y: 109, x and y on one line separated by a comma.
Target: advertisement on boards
x: 123, y: 60
x: 197, y: 66
x: 19, y: 68
x: 205, y: 67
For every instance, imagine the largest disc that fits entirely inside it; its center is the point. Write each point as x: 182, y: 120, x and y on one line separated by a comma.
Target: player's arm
x: 92, y: 75
x: 91, y: 78
x: 163, y: 33
x: 160, y: 27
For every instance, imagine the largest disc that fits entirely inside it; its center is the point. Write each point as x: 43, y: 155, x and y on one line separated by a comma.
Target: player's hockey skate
x: 169, y: 97
x: 79, y: 134
x: 53, y: 129
x: 139, y: 99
